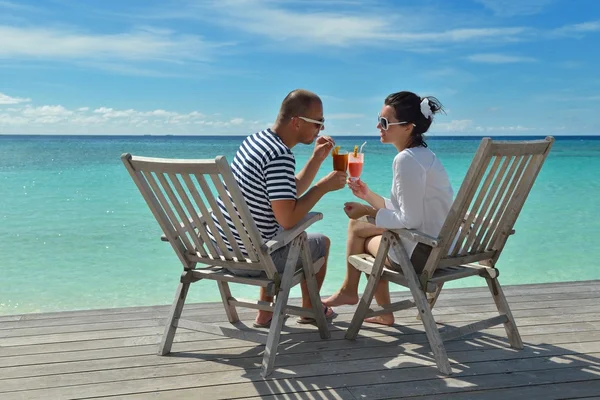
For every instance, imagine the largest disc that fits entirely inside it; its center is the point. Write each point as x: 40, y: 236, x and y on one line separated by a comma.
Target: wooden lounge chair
x: 181, y: 196
x: 470, y: 242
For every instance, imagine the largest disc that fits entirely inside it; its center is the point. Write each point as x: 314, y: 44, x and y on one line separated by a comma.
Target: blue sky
x: 193, y: 67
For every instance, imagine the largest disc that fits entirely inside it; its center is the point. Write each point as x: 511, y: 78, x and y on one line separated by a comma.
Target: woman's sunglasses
x: 385, y: 124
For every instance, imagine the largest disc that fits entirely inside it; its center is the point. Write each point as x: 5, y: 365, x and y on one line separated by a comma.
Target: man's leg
x: 358, y: 233
x: 263, y: 317
x: 317, y: 251
x: 319, y: 247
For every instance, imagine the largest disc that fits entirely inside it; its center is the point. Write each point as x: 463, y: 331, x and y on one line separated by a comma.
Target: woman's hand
x: 356, y: 210
x: 359, y: 189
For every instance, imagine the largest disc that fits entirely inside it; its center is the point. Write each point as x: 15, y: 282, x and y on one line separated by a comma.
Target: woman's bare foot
x: 263, y: 317
x: 386, y: 319
x: 341, y: 298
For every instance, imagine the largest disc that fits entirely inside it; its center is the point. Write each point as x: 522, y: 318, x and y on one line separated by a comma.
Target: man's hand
x: 335, y: 180
x: 323, y: 146
x: 356, y: 210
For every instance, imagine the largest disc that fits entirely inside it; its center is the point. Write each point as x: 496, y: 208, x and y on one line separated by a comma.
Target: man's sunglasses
x: 320, y: 123
x: 385, y: 124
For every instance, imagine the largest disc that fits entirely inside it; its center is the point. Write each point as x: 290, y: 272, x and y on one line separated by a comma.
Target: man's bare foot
x: 386, y: 319
x: 341, y: 298
x: 263, y: 317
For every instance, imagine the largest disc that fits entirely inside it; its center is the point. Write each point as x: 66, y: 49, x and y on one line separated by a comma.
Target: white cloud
x: 6, y: 99
x: 60, y: 44
x: 343, y: 116
x: 505, y: 129
x: 578, y: 30
x: 462, y: 125
x: 510, y: 8
x: 143, y: 51
x: 467, y: 126
x: 319, y: 26
x: 495, y: 58
x: 58, y: 119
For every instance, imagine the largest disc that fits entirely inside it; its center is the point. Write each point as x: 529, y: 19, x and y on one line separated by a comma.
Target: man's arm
x: 323, y: 146
x: 307, y: 175
x: 289, y: 212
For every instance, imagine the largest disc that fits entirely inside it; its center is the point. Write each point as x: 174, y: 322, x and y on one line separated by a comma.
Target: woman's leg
x: 358, y: 233
x: 382, y: 291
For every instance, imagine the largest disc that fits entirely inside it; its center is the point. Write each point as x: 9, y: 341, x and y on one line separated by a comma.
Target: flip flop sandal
x: 268, y: 323
x: 328, y: 311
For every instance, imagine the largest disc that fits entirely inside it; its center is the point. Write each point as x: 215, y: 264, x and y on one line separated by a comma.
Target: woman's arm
x: 361, y: 190
x: 409, y: 191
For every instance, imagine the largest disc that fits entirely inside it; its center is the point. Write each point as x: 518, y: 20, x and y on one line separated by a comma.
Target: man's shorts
x: 317, y: 245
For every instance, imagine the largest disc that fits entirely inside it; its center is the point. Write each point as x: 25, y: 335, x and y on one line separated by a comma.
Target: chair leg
x: 280, y: 306
x: 313, y: 289
x: 363, y: 306
x: 232, y: 315
x: 367, y: 297
x: 174, y: 314
x: 432, y: 298
x: 510, y: 326
x: 433, y: 334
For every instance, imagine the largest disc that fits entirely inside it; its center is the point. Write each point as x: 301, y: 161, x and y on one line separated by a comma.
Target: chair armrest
x: 412, y: 234
x: 418, y: 236
x: 285, y: 237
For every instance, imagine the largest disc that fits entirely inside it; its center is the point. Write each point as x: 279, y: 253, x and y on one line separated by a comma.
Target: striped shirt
x: 265, y: 170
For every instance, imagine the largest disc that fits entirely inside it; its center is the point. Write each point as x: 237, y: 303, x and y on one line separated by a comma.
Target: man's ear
x: 295, y: 123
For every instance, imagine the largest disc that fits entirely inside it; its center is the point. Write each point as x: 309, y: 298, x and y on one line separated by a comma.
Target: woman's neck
x: 402, y: 144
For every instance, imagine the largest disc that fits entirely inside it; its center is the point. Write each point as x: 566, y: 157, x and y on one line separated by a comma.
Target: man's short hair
x: 296, y: 103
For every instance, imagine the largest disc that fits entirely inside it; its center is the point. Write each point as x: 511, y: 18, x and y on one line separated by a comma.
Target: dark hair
x: 407, y: 107
x: 296, y: 103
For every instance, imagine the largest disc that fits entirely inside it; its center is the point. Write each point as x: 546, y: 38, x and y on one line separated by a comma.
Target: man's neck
x: 287, y: 136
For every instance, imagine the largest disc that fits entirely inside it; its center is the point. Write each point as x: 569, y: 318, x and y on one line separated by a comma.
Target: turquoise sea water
x: 76, y: 234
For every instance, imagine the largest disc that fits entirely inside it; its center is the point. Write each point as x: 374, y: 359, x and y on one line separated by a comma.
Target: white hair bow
x: 426, y: 109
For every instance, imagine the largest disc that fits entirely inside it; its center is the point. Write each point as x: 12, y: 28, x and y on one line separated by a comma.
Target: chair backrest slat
x: 235, y: 218
x: 220, y: 217
x: 479, y: 223
x: 243, y: 211
x: 167, y: 208
x: 183, y: 216
x: 468, y: 225
x: 514, y: 208
x: 202, y: 237
x: 206, y: 219
x: 183, y: 203
x: 502, y: 185
x: 505, y: 197
x: 488, y: 202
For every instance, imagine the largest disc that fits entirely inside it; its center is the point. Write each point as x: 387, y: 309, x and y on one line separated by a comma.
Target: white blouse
x: 420, y: 198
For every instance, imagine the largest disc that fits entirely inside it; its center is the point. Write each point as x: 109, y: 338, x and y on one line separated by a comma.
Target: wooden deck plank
x: 157, y: 329
x: 306, y: 334
x: 216, y: 309
x: 553, y: 391
x: 348, y: 352
x: 89, y: 324
x: 104, y: 353
x: 591, y: 287
x: 441, y: 313
x: 335, y: 362
x: 364, y: 379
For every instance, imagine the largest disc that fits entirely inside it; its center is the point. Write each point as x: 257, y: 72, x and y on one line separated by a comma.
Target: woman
x: 420, y: 198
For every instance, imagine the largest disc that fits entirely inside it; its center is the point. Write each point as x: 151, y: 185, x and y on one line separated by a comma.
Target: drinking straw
x: 361, y: 146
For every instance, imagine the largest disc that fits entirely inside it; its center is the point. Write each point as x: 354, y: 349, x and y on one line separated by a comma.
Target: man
x: 264, y: 168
